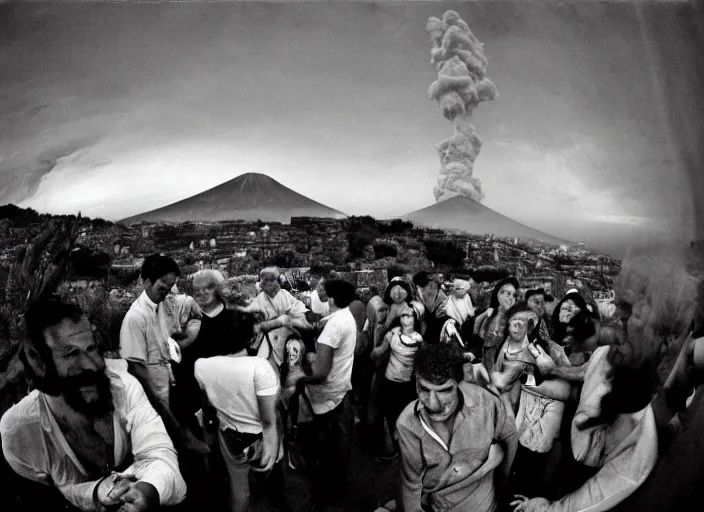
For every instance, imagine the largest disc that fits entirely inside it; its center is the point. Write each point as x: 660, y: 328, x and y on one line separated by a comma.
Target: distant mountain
x: 250, y: 197
x: 463, y: 213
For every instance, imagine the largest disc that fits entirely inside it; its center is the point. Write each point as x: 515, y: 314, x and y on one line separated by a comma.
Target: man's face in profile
x: 159, y: 289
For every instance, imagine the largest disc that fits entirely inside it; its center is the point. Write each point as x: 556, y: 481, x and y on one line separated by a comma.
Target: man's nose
x: 88, y: 362
x: 433, y: 401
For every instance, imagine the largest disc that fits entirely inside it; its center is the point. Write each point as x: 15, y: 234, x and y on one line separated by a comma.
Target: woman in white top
x: 397, y: 388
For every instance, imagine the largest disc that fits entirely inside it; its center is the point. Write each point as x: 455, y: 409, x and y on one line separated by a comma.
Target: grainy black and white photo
x: 352, y: 255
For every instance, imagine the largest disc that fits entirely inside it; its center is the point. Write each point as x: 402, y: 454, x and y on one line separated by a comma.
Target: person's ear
x: 37, y: 365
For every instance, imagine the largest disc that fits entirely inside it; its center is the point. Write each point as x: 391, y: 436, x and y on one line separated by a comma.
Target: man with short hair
x: 144, y: 344
x: 447, y: 438
x: 328, y: 389
x: 86, y: 429
x: 244, y: 391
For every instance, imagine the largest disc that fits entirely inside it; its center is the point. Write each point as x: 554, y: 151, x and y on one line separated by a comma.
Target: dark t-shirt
x: 217, y: 337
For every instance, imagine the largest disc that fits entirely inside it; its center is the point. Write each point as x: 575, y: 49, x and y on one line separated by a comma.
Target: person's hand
x: 525, y: 504
x: 139, y: 498
x: 270, y: 456
x: 543, y: 361
x: 258, y: 328
x: 111, y: 491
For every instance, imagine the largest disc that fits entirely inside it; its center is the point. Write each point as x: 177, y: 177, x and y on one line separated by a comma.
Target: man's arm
x: 270, y: 433
x: 569, y: 373
x: 320, y: 367
x: 155, y: 460
x: 506, y: 434
x: 503, y: 380
x: 548, y: 368
x: 412, y: 469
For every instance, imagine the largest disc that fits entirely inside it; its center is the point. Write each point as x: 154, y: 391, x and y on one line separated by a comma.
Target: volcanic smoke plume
x: 460, y: 87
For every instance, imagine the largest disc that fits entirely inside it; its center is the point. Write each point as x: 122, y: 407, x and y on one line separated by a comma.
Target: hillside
x: 464, y: 214
x: 248, y: 197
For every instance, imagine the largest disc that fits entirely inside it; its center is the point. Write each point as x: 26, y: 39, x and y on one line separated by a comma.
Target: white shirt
x: 36, y: 449
x: 233, y: 385
x: 340, y: 333
x: 403, y: 348
x: 317, y: 306
x: 142, y: 337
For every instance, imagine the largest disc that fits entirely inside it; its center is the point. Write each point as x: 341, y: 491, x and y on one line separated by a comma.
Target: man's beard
x: 71, y: 391
x: 631, y: 390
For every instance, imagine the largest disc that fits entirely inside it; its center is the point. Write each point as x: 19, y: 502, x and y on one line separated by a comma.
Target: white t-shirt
x: 340, y: 333
x: 403, y: 349
x: 233, y: 385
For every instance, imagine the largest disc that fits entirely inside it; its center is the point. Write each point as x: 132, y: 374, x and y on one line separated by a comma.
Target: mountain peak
x: 465, y: 214
x: 250, y: 196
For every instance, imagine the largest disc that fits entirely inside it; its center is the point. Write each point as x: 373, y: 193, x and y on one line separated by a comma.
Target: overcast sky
x: 115, y: 109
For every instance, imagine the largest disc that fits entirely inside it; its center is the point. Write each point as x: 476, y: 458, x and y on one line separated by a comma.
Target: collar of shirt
x: 148, y: 302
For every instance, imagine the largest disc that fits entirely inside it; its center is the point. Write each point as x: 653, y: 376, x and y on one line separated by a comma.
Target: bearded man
x: 86, y: 429
x: 615, y: 429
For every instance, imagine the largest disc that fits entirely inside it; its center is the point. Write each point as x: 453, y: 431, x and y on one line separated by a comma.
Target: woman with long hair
x: 395, y: 354
x: 491, y: 324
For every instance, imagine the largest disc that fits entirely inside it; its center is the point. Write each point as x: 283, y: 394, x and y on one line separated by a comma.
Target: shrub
x: 383, y: 249
x: 85, y: 263
x: 444, y: 253
x: 360, y: 238
x: 396, y: 226
x: 123, y: 276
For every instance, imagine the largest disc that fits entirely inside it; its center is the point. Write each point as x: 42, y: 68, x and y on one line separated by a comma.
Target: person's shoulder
x: 21, y: 416
x: 121, y: 378
x: 474, y: 394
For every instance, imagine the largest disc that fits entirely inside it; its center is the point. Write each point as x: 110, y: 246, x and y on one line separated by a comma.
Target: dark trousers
x: 333, y: 441
x: 527, y: 473
x: 395, y: 396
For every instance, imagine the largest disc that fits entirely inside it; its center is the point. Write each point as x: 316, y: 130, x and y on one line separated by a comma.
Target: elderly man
x: 447, y: 437
x: 614, y: 429
x: 144, y: 344
x: 675, y: 483
x: 86, y: 429
x: 282, y: 312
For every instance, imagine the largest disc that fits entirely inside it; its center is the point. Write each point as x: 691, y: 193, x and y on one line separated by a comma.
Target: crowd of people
x: 534, y: 403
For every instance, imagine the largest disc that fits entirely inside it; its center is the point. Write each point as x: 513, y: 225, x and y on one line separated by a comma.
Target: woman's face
x: 398, y: 294
x: 517, y: 328
x: 568, y: 310
x: 507, y: 297
x: 407, y: 320
x: 204, y: 293
x: 293, y: 351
